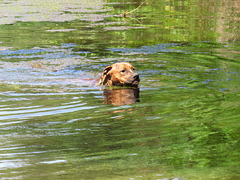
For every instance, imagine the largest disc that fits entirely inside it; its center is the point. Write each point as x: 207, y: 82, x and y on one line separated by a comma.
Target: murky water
x: 182, y: 122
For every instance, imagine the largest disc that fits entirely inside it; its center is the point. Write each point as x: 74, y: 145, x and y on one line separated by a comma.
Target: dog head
x: 120, y: 74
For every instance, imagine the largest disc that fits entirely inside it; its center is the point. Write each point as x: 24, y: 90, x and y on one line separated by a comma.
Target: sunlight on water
x: 49, y: 10
x: 22, y: 114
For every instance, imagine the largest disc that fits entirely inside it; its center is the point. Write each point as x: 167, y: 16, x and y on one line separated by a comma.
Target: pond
x: 181, y: 123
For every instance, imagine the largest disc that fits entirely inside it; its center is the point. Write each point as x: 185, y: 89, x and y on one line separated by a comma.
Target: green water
x: 182, y: 122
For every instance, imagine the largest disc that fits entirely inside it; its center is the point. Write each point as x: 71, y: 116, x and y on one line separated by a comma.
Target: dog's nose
x: 136, y: 77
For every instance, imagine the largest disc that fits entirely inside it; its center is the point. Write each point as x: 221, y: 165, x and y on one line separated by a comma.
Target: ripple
x: 53, y: 52
x: 43, y: 111
x: 6, y: 164
x: 53, y: 162
x: 158, y: 48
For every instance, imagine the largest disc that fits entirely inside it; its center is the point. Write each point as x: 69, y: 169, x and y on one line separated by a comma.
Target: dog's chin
x: 132, y: 84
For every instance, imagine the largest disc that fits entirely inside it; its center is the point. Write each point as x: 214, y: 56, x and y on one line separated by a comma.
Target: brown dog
x: 119, y: 74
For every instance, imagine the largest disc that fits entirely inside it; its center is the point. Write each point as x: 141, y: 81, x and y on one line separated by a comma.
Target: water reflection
x: 119, y: 97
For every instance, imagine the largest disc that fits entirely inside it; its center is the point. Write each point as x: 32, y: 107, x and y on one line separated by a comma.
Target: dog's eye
x: 133, y: 68
x: 123, y: 70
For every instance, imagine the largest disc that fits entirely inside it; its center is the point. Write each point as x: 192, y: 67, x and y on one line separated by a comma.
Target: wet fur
x: 119, y: 74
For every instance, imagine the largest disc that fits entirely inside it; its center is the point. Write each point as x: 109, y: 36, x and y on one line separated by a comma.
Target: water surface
x: 182, y: 122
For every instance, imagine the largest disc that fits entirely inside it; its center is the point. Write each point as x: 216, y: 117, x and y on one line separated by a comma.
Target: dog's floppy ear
x: 104, y: 76
x: 106, y: 70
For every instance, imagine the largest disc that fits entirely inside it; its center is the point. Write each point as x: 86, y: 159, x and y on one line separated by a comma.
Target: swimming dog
x: 119, y: 74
